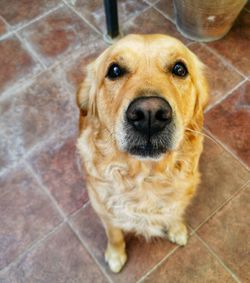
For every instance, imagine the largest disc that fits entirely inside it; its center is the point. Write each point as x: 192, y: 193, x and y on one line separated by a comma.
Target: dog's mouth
x: 147, y: 150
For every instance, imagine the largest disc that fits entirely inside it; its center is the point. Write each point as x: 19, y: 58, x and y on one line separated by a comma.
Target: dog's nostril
x: 136, y: 115
x: 163, y: 115
x: 149, y: 115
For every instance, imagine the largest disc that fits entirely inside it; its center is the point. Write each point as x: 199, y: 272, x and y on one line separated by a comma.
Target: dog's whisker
x: 205, y: 135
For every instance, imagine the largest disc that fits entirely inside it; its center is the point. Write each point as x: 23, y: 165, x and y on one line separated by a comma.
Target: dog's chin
x: 147, y: 151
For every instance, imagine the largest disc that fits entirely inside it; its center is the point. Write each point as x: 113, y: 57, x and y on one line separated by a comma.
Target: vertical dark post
x: 111, y: 18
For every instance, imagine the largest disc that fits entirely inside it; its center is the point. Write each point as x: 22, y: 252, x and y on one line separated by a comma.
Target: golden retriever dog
x: 141, y: 109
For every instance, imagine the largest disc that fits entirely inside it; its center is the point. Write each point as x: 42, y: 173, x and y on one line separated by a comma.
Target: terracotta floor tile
x: 229, y: 121
x: 31, y: 115
x: 18, y: 13
x: 73, y: 70
x: 235, y: 45
x: 16, y: 64
x: 167, y: 8
x: 93, y: 11
x: 190, y: 264
x: 69, y: 30
x: 92, y: 231
x: 57, y: 165
x: 222, y: 176
x: 227, y: 233
x: 221, y: 77
x: 3, y: 27
x: 157, y: 24
x: 60, y: 258
x: 26, y: 214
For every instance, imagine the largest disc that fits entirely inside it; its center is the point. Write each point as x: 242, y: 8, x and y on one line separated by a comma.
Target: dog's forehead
x: 147, y: 45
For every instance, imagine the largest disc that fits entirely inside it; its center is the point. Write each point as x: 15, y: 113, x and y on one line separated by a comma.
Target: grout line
x: 190, y: 43
x: 209, y: 107
x: 165, y: 15
x: 36, y: 19
x: 5, y: 22
x: 20, y: 86
x: 227, y: 149
x: 46, y: 191
x: 30, y: 50
x: 83, y: 18
x: 24, y: 84
x: 165, y: 258
x: 218, y: 259
x: 79, y: 237
x: 65, y: 217
x: 242, y: 188
x: 31, y: 247
x: 31, y: 151
x: 6, y: 34
x: 151, y: 4
x: 87, y: 203
x: 226, y: 62
x: 14, y: 30
x: 158, y: 264
x: 129, y: 22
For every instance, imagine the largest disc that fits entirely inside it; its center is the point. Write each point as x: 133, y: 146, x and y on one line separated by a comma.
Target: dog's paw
x: 116, y: 259
x: 178, y: 234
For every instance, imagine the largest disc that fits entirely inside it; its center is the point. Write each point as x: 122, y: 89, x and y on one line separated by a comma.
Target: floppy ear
x: 86, y: 92
x: 201, y: 86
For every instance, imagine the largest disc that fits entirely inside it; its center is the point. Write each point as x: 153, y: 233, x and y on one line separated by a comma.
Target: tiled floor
x: 48, y: 230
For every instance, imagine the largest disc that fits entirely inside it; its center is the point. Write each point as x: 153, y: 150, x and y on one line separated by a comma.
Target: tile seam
x: 221, y: 206
x: 130, y: 20
x: 166, y: 17
x: 32, y: 246
x: 31, y: 50
x: 81, y: 240
x: 224, y: 97
x: 217, y: 257
x: 81, y: 17
x: 38, y: 18
x: 157, y: 264
x: 227, y: 149
x: 223, y: 59
x: 66, y: 219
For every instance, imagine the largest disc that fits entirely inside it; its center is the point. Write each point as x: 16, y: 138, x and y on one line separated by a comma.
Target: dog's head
x: 146, y: 90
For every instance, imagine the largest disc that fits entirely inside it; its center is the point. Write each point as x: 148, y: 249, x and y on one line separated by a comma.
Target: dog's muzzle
x: 149, y: 126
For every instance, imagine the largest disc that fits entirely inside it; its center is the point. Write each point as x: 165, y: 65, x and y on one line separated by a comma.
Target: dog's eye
x: 179, y: 69
x: 115, y: 71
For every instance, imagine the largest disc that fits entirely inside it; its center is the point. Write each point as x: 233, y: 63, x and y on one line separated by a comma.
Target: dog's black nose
x: 149, y: 115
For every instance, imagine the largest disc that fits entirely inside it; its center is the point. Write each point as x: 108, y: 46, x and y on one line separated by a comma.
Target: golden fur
x: 145, y: 196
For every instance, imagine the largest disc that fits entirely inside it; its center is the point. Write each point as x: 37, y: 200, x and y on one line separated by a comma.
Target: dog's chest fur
x: 140, y: 196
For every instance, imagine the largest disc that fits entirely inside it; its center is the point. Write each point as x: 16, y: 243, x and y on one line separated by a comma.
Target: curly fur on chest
x: 140, y: 196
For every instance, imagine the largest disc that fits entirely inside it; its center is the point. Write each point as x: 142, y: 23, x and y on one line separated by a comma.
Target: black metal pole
x: 111, y: 18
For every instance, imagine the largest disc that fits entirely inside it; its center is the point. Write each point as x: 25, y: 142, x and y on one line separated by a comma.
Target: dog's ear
x: 202, y: 97
x: 86, y: 92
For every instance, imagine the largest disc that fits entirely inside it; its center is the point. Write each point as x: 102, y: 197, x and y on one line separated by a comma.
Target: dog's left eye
x: 115, y: 71
x: 179, y: 69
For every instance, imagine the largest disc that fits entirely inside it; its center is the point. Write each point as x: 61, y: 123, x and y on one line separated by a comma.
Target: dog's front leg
x: 177, y: 233
x: 115, y: 254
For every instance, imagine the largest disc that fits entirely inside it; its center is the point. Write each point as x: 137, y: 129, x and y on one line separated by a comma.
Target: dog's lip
x: 147, y: 150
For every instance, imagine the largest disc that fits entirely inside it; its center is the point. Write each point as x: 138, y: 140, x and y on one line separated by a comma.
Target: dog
x: 141, y: 112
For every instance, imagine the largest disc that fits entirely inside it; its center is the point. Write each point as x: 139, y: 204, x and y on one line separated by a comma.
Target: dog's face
x: 145, y: 90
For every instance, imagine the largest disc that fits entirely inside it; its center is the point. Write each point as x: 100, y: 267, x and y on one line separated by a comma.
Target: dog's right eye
x: 115, y: 71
